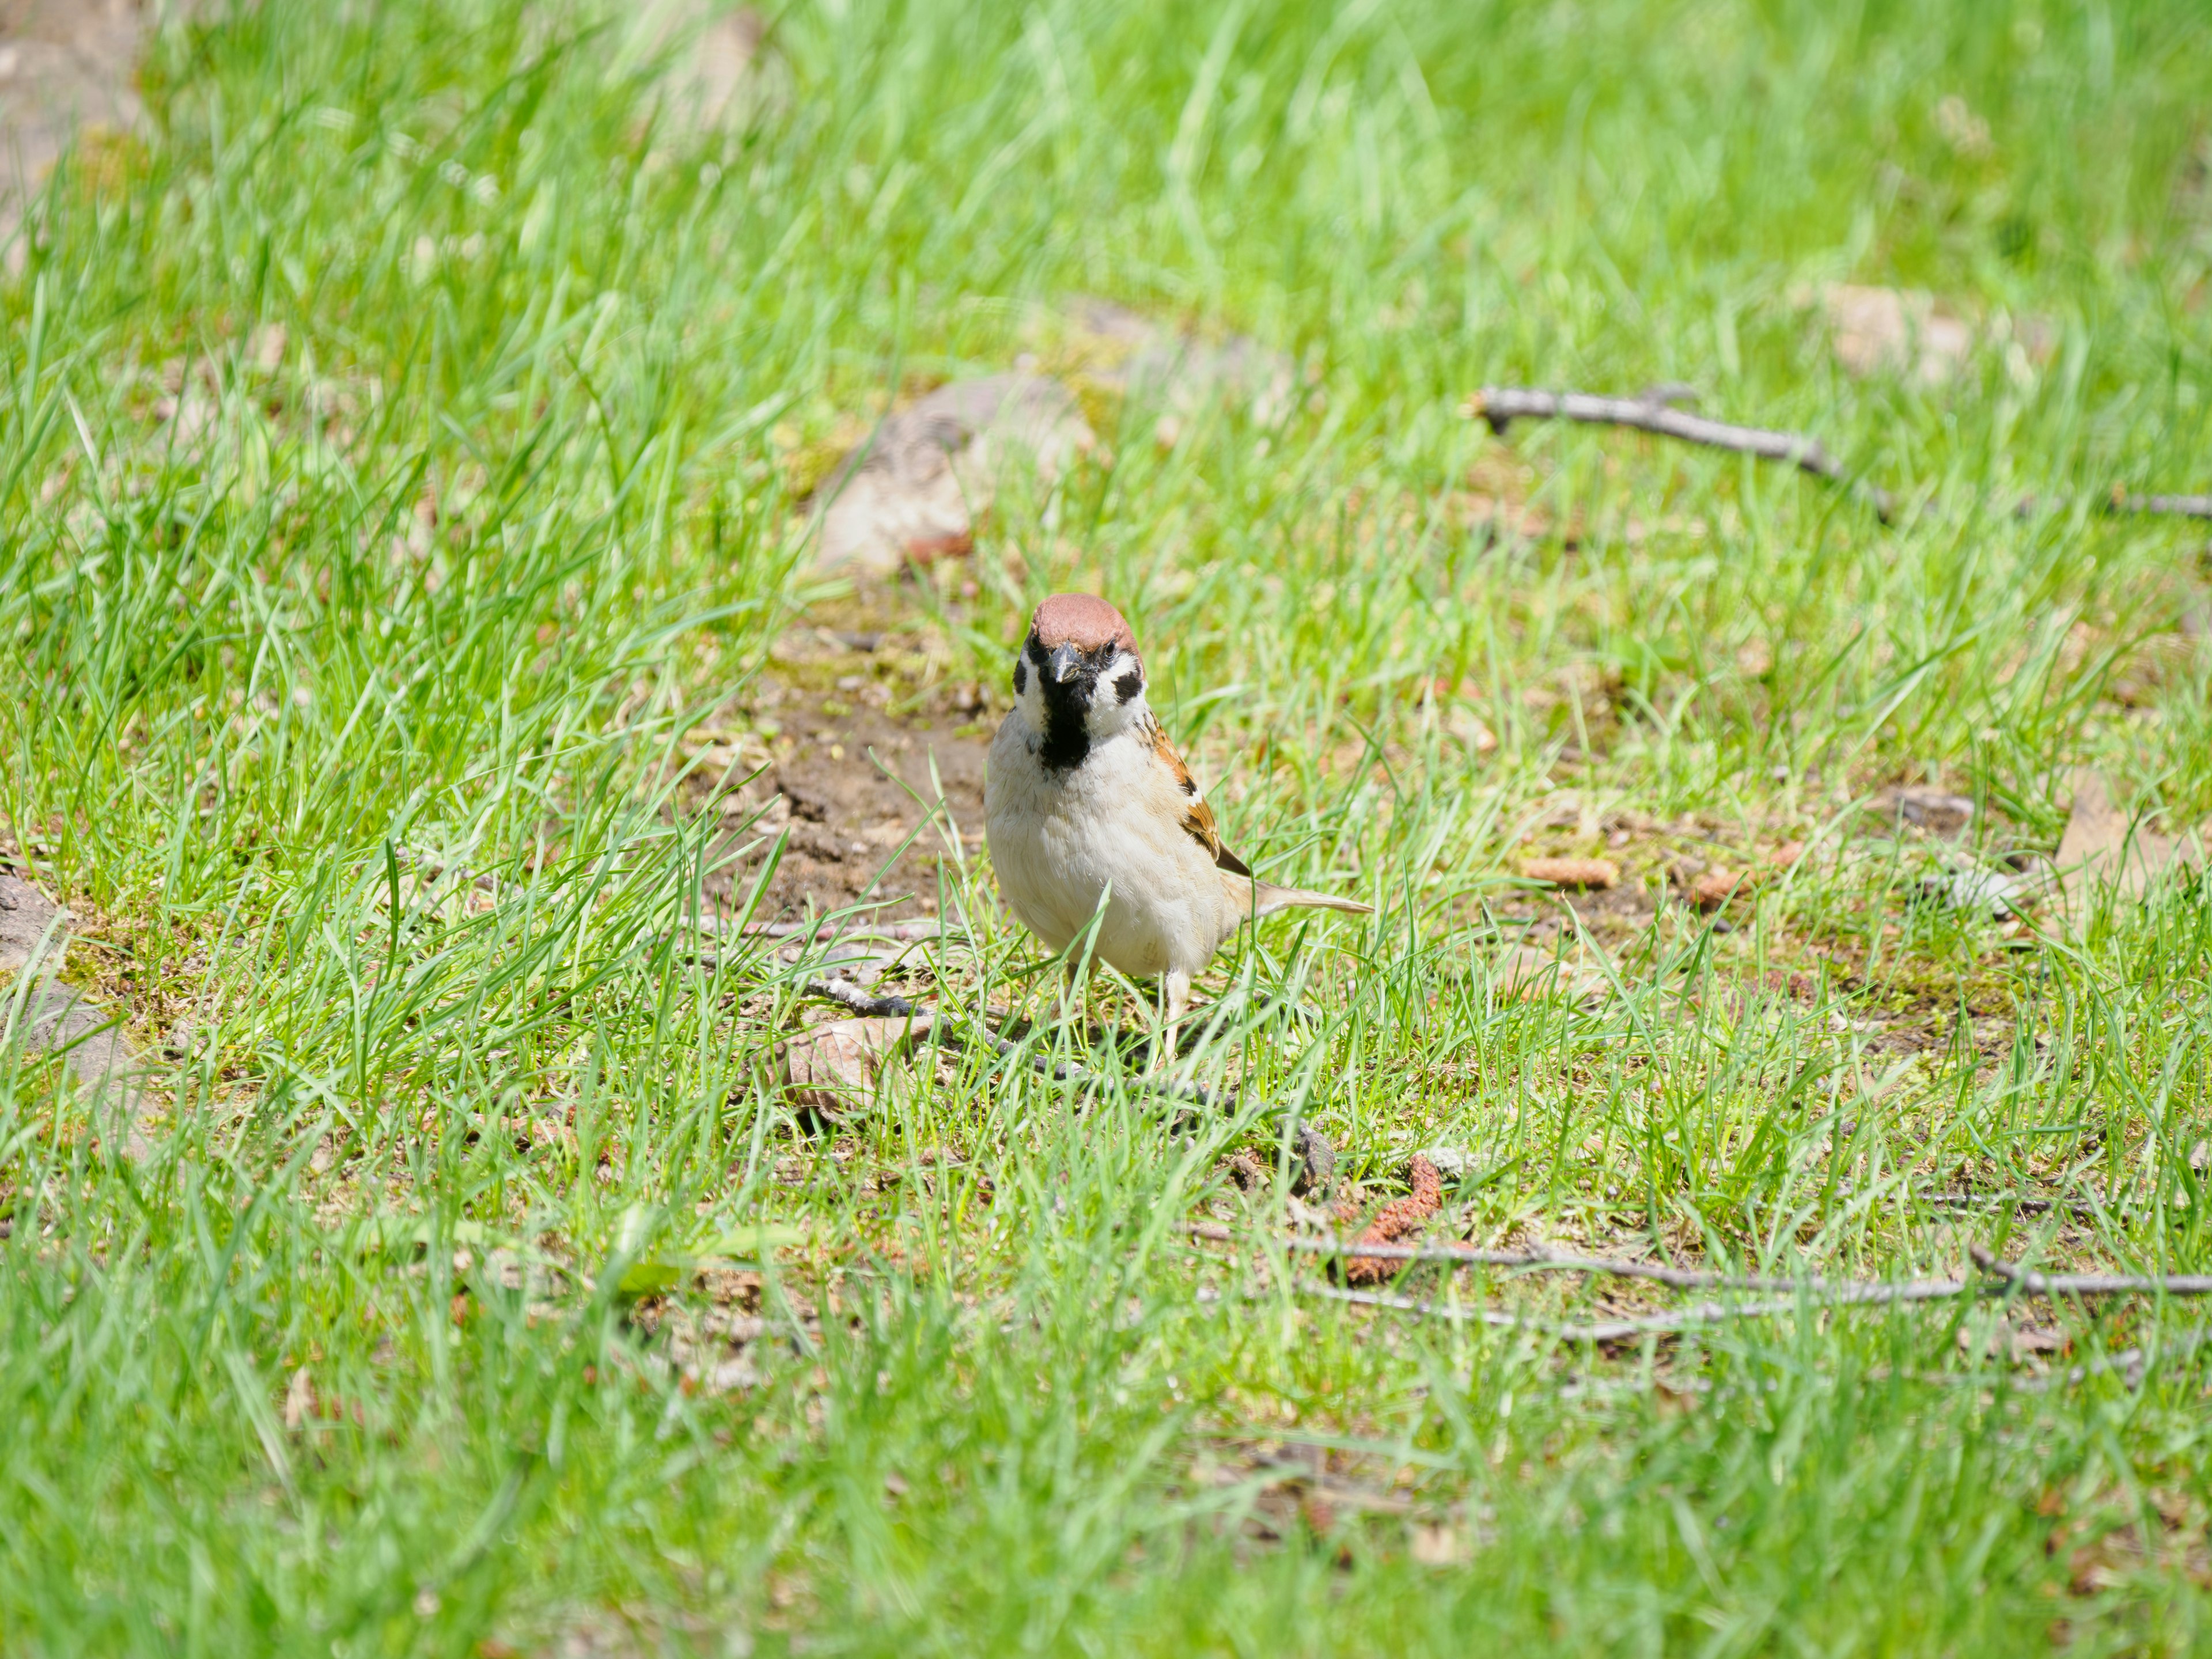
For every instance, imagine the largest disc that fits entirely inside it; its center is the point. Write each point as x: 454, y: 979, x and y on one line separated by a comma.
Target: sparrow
x: 1084, y: 799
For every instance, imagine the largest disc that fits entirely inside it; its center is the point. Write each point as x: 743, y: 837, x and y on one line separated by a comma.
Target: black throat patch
x: 1067, y: 743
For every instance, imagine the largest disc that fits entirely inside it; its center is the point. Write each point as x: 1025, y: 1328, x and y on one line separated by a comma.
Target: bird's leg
x: 1071, y: 986
x: 1176, y: 985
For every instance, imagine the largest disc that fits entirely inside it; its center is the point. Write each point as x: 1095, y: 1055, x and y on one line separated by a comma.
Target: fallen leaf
x: 831, y: 1069
x: 1156, y: 366
x: 2104, y: 1563
x: 1531, y: 971
x: 2010, y: 1342
x: 1437, y: 1546
x: 266, y: 347
x: 2104, y: 848
x: 1938, y: 812
x: 911, y: 492
x: 1465, y: 724
x: 1878, y: 331
x: 711, y: 51
x: 1572, y: 872
x: 299, y: 1399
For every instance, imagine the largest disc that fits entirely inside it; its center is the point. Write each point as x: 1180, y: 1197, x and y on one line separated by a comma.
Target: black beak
x: 1065, y: 663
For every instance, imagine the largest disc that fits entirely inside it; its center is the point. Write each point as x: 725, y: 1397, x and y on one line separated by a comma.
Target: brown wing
x: 1197, y: 817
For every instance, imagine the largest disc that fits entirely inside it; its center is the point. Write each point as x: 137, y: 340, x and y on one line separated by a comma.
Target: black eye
x: 1021, y: 676
x: 1129, y: 683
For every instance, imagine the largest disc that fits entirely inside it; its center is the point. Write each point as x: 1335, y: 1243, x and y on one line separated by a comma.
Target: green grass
x: 441, y: 586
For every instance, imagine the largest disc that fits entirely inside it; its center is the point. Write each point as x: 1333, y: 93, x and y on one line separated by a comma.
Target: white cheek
x: 1108, y: 714
x: 1030, y: 700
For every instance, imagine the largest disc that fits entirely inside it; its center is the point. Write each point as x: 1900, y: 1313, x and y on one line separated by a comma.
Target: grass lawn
x: 416, y: 665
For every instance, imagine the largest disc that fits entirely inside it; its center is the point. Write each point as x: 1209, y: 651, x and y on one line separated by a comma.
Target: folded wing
x: 1198, y: 823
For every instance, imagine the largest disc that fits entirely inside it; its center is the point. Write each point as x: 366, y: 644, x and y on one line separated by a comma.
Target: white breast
x: 1059, y: 840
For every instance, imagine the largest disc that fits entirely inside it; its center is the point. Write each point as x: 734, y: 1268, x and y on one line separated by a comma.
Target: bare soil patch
x: 870, y: 766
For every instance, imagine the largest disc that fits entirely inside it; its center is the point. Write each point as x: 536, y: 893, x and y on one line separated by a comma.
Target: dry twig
x: 1810, y: 1292
x: 898, y: 932
x: 1878, y: 1293
x: 1502, y: 406
x: 2172, y: 507
x: 2028, y: 1282
x: 1654, y: 412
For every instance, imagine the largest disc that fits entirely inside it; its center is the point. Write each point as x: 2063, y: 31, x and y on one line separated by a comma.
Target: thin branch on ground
x: 1653, y: 412
x: 868, y: 1007
x: 2031, y: 1283
x: 1872, y: 1293
x: 2172, y: 507
x: 2024, y: 1206
x: 898, y: 932
x: 2122, y: 503
x: 1502, y: 406
x: 1813, y: 1291
x: 1464, y: 1255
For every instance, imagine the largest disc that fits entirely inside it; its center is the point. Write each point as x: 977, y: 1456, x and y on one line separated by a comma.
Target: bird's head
x: 1078, y: 679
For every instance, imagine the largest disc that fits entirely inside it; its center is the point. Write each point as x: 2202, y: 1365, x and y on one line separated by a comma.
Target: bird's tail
x: 1272, y: 898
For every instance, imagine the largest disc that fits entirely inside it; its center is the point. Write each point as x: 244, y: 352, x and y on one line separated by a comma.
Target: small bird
x: 1086, y: 798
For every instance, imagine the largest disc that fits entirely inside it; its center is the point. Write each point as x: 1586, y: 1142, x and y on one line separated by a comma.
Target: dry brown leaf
x: 1938, y: 812
x: 2011, y: 1342
x: 299, y: 1399
x: 1437, y: 1546
x: 914, y: 491
x: 1467, y: 726
x: 1892, y: 331
x: 265, y: 347
x: 711, y: 49
x: 1531, y: 971
x: 2104, y: 848
x: 832, y: 1069
x: 1156, y: 366
x: 1572, y: 872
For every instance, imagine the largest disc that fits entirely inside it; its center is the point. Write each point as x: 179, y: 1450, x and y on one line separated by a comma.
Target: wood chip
x: 1572, y: 872
x: 1716, y: 886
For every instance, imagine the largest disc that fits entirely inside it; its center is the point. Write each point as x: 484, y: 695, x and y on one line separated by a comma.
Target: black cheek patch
x: 1127, y: 685
x: 1021, y: 676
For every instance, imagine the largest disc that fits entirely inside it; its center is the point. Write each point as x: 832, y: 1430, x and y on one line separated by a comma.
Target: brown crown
x: 1087, y: 622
